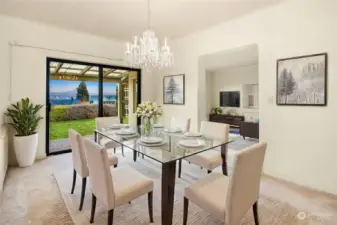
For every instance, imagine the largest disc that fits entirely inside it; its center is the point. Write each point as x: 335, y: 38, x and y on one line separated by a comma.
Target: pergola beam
x: 108, y: 72
x: 58, y: 67
x: 85, y: 70
x: 66, y: 77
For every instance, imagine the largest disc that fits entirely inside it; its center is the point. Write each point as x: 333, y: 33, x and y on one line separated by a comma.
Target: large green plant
x: 25, y: 117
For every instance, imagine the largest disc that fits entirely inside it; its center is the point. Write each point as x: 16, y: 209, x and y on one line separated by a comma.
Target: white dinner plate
x: 126, y: 132
x: 172, y: 130
x: 190, y: 134
x: 192, y: 143
x: 118, y: 126
x: 152, y: 145
x: 151, y: 140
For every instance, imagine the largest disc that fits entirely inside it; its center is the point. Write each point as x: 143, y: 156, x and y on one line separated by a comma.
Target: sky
x: 67, y: 85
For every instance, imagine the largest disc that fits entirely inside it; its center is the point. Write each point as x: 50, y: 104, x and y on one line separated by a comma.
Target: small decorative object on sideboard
x: 25, y: 120
x: 302, y: 80
x: 216, y: 111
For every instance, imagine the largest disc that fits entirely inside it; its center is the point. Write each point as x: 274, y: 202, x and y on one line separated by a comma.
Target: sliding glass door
x: 78, y: 92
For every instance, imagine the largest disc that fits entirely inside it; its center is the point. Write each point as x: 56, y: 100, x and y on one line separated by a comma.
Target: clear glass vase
x: 147, y: 126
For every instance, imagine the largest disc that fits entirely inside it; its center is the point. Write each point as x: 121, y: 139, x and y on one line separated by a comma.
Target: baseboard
x: 2, y: 185
x: 296, y: 185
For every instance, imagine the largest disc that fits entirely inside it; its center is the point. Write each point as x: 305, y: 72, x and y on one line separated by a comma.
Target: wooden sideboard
x: 249, y: 129
x: 233, y: 121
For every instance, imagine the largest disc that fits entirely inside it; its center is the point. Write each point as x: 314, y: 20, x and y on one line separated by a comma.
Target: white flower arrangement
x: 149, y: 110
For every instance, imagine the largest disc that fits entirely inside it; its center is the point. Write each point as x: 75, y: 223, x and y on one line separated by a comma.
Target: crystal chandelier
x: 147, y: 54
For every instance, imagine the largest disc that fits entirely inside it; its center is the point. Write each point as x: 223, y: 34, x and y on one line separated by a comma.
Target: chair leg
x: 115, y: 150
x: 179, y: 168
x: 185, y: 211
x: 209, y: 171
x: 93, y: 208
x: 84, y: 184
x: 150, y: 203
x: 110, y: 217
x: 256, y: 214
x: 115, y: 166
x: 122, y: 147
x: 74, y: 182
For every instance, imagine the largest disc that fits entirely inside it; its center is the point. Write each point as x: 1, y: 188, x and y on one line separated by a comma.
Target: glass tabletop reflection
x: 166, y: 147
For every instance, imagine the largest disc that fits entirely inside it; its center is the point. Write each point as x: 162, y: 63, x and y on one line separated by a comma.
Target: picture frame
x: 302, y: 80
x: 174, y: 89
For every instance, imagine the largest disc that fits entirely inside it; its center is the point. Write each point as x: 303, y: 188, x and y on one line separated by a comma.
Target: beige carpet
x: 42, y: 205
x: 271, y: 211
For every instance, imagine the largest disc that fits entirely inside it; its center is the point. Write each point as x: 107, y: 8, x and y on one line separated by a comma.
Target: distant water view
x: 64, y: 92
x: 70, y: 100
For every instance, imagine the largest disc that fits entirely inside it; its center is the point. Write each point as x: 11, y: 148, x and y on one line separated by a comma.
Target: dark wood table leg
x: 224, y: 159
x: 167, y: 192
x: 95, y: 136
x: 134, y: 156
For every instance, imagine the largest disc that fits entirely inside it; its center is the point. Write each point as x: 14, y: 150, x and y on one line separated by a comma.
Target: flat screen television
x: 230, y: 98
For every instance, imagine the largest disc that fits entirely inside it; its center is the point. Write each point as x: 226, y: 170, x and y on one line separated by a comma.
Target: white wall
x: 232, y: 79
x: 301, y: 140
x: 27, y: 66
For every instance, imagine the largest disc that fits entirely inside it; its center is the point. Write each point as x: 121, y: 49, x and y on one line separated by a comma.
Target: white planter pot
x: 25, y: 148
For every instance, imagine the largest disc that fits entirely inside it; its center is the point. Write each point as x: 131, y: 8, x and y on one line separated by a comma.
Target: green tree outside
x: 82, y: 92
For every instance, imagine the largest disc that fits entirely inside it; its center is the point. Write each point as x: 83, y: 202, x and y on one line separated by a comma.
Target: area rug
x: 38, y: 204
x: 271, y: 211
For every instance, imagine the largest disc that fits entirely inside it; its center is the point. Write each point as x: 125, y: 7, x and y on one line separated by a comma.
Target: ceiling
x: 122, y: 19
x: 242, y: 56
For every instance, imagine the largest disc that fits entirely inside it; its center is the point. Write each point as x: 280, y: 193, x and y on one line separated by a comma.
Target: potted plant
x: 216, y: 111
x: 25, y: 120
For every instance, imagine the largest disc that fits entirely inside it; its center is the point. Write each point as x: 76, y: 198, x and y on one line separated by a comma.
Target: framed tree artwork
x: 302, y: 80
x: 174, y: 89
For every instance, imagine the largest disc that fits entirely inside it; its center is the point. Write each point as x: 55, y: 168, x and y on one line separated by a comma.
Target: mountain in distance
x: 74, y: 92
x: 65, y: 93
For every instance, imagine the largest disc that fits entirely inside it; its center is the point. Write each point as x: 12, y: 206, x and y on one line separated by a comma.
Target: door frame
x: 100, y: 91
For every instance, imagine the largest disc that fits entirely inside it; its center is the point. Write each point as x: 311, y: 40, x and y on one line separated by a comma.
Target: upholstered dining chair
x: 182, y: 124
x: 229, y: 198
x: 209, y: 159
x: 80, y: 162
x: 114, y: 187
x: 104, y: 122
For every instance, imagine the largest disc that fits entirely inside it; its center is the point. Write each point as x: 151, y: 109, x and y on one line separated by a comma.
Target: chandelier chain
x: 148, y: 15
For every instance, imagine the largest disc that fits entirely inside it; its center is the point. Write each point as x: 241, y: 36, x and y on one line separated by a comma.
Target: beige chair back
x: 100, y: 175
x: 216, y: 131
x: 183, y: 124
x: 78, y: 153
x: 244, y: 182
x: 104, y: 122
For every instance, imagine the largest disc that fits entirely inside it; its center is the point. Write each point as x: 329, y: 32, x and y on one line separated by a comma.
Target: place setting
x: 118, y: 126
x: 126, y: 132
x: 151, y: 141
x: 172, y: 130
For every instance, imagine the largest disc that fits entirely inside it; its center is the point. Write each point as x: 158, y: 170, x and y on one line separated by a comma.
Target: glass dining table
x: 168, y: 152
